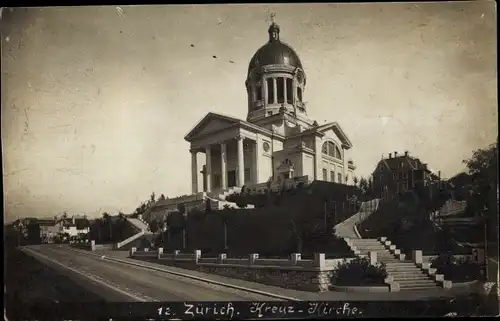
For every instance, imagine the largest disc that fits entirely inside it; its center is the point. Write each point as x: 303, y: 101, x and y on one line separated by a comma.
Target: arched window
x: 330, y: 149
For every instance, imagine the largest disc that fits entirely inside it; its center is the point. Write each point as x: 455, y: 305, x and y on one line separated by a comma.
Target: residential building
x: 400, y: 173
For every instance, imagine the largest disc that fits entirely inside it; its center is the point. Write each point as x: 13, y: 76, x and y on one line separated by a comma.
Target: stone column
x: 265, y: 90
x: 285, y: 94
x: 241, y: 162
x: 256, y: 162
x: 275, y: 85
x: 194, y: 172
x: 223, y: 165
x: 208, y: 154
x: 318, y: 159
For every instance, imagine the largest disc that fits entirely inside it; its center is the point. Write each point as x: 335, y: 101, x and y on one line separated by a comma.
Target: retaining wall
x: 293, y: 273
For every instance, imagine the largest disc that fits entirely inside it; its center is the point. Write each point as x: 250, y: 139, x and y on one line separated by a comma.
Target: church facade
x: 278, y: 140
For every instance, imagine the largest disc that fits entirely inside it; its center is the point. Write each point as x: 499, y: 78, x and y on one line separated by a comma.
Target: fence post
x: 197, y: 255
x: 252, y: 257
x: 159, y: 252
x: 132, y: 251
x: 92, y: 245
x: 319, y: 260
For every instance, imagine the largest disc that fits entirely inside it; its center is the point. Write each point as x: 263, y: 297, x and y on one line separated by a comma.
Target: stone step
x: 402, y: 269
x: 420, y: 288
x: 416, y: 282
x: 400, y: 263
x: 408, y: 276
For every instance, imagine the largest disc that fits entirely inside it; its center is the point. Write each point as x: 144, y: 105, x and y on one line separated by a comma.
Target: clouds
x: 132, y: 85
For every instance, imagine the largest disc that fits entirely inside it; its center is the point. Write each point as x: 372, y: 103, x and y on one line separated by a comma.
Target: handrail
x: 130, y: 239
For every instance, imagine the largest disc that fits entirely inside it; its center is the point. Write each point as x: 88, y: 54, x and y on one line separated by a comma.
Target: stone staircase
x: 403, y: 275
x: 142, y: 228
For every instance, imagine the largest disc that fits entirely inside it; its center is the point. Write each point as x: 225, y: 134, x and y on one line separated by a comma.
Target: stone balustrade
x: 293, y: 272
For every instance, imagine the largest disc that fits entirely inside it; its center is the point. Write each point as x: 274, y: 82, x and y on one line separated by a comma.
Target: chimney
x: 73, y: 220
x: 406, y: 153
x: 390, y: 155
x: 395, y: 154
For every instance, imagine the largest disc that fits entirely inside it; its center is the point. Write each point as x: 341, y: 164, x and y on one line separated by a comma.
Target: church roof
x: 221, y: 122
x: 275, y: 52
x: 320, y: 129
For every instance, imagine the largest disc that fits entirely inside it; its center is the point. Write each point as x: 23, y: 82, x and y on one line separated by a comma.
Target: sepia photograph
x: 250, y: 161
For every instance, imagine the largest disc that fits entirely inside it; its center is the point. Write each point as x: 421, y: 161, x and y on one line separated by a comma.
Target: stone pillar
x: 295, y: 257
x: 417, y: 257
x: 223, y: 165
x: 92, y: 245
x: 241, y: 162
x: 194, y: 172
x: 208, y: 154
x: 252, y: 257
x: 373, y: 257
x: 319, y: 260
x: 197, y: 255
x: 256, y: 162
x: 317, y: 159
x: 264, y: 87
x: 285, y: 94
x: 275, y: 98
x: 132, y: 251
x: 221, y: 258
x: 159, y: 253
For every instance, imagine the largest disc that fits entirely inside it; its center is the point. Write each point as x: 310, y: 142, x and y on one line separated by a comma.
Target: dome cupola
x: 276, y: 80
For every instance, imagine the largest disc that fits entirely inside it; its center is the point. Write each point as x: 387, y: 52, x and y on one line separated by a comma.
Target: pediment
x: 336, y: 130
x: 211, y: 123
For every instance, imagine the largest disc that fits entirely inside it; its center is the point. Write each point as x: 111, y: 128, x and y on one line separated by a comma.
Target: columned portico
x: 194, y: 172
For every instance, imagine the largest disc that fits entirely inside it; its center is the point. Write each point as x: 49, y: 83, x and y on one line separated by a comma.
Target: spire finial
x: 272, y: 17
x: 274, y: 29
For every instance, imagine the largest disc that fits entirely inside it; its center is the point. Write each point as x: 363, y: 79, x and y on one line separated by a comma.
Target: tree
x: 154, y: 226
x: 107, y: 220
x: 162, y: 197
x: 482, y: 167
x: 363, y: 186
x: 355, y: 180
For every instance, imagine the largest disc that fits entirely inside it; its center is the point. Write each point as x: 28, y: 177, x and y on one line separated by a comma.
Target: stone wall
x: 306, y: 275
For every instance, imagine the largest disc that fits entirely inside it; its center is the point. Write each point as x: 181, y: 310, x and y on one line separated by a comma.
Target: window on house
x: 289, y: 91
x: 332, y: 176
x: 299, y: 94
x: 325, y: 174
x: 286, y: 175
x: 270, y: 90
x: 280, y: 83
x: 395, y: 176
x: 397, y: 188
x: 406, y: 186
x: 339, y: 178
x: 258, y: 91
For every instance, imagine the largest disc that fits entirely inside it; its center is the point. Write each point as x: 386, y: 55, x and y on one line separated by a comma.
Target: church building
x: 278, y: 140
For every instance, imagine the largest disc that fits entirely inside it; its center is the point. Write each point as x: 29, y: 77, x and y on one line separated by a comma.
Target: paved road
x: 149, y: 285
x: 143, y: 283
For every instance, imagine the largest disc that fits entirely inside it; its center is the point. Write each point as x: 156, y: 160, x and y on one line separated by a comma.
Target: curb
x: 236, y: 287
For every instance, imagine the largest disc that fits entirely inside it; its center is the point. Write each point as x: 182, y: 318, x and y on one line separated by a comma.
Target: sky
x: 96, y: 100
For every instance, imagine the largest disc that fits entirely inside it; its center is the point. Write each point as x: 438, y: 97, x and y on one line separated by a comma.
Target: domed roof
x: 274, y: 52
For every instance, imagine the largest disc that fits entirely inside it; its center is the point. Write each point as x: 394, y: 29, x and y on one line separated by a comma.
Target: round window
x: 266, y: 146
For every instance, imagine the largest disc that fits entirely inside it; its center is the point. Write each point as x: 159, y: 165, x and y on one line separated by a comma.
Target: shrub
x: 456, y: 270
x: 359, y: 272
